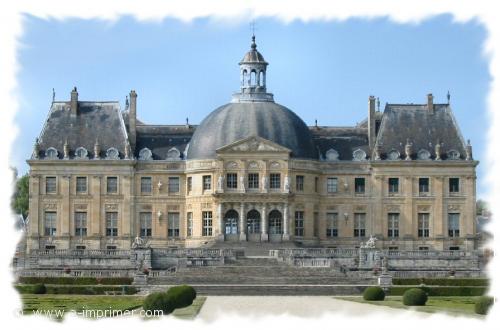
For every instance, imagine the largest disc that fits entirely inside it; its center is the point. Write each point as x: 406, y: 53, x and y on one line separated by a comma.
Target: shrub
x: 483, y: 305
x: 182, y: 295
x: 442, y: 281
x: 442, y: 290
x: 78, y: 289
x: 374, y: 293
x: 39, y: 289
x: 157, y: 301
x: 415, y: 297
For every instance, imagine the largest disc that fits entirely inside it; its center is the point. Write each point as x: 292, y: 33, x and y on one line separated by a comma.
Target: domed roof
x: 236, y: 121
x: 253, y: 55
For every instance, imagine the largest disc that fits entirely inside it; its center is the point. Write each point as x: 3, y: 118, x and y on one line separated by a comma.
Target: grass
x: 458, y: 306
x: 57, y: 306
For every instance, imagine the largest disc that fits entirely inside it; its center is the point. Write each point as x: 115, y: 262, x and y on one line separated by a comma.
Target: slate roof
x: 161, y: 138
x: 423, y: 128
x: 95, y: 120
x: 344, y: 140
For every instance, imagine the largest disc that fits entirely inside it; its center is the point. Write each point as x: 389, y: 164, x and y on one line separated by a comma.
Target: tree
x: 20, y: 199
x: 482, y: 207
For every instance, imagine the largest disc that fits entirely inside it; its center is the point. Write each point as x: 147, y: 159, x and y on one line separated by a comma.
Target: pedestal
x: 243, y: 237
x: 140, y: 279
x: 385, y: 280
x: 286, y: 237
x: 264, y: 237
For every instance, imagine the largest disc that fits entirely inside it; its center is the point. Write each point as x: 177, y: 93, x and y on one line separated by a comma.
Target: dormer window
x: 332, y: 155
x: 393, y: 155
x: 423, y: 155
x: 453, y: 155
x: 174, y: 154
x: 112, y: 153
x: 358, y: 155
x: 81, y: 153
x: 51, y: 153
x: 145, y: 154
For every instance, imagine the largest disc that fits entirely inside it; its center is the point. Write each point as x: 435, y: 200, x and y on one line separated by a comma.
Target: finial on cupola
x: 448, y: 96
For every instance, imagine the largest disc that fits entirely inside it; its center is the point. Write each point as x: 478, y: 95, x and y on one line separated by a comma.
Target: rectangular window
x: 189, y: 232
x: 454, y: 185
x: 207, y: 223
x: 232, y: 180
x: 146, y: 185
x: 146, y: 221
x: 111, y: 224
x: 393, y: 248
x: 173, y: 224
x: 332, y: 224
x: 359, y: 224
x: 454, y: 248
x: 207, y: 182
x: 393, y: 225
x: 50, y: 223
x: 111, y: 184
x: 453, y: 224
x: 332, y: 185
x: 173, y: 185
x: 299, y: 223
x: 80, y: 224
x: 253, y: 180
x: 393, y: 185
x: 275, y: 181
x: 423, y: 248
x: 50, y: 185
x: 423, y: 225
x: 299, y: 183
x: 359, y: 185
x: 81, y: 184
x: 189, y: 184
x: 423, y: 185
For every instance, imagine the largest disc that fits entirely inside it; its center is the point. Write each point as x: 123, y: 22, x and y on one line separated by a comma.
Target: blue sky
x: 320, y: 70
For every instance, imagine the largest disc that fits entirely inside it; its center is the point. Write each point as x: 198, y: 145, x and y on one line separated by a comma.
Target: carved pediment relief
x: 253, y: 144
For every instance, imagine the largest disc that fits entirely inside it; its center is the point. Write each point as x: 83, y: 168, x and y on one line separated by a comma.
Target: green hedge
x: 442, y: 281
x: 77, y: 289
x: 415, y: 297
x: 483, y: 305
x: 176, y: 297
x: 442, y: 290
x: 374, y: 293
x: 77, y: 280
x: 182, y: 295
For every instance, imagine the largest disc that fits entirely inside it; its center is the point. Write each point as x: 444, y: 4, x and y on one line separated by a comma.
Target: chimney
x: 371, y: 122
x: 430, y: 103
x: 74, y: 102
x: 132, y: 117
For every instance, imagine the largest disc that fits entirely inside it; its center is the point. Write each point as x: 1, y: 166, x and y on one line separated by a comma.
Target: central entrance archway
x: 275, y: 226
x: 253, y: 225
x: 231, y: 225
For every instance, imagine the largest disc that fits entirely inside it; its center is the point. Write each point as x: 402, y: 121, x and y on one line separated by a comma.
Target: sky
x: 322, y: 70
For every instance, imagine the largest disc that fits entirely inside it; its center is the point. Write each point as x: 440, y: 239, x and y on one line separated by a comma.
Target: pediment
x: 253, y: 144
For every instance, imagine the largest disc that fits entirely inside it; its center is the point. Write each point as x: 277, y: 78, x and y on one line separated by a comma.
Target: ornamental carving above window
x: 332, y: 154
x: 173, y: 153
x: 453, y: 155
x: 358, y: 155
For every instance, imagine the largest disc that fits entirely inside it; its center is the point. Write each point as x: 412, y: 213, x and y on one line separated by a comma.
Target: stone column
x: 65, y: 217
x: 221, y: 222
x: 95, y: 217
x: 286, y: 223
x: 243, y: 231
x: 437, y: 218
x: 408, y: 229
x: 128, y: 220
x: 377, y: 217
x: 35, y: 223
x: 263, y: 228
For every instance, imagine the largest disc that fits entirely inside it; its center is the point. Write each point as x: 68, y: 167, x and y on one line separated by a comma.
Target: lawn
x: 56, y: 306
x: 451, y: 305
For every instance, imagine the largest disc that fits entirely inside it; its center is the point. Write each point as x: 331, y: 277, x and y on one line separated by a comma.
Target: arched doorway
x: 253, y: 225
x: 275, y: 226
x: 231, y: 225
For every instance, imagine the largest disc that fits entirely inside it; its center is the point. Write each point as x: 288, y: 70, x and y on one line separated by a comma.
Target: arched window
x: 253, y: 78
x: 261, y: 78
x: 51, y: 153
x: 253, y: 222
x: 81, y: 153
x: 112, y: 153
x: 231, y: 222
x: 275, y: 222
x: 145, y: 154
x: 244, y: 77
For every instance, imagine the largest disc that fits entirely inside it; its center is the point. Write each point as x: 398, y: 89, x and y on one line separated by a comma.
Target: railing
x: 314, y: 252
x: 75, y: 273
x: 86, y: 253
x: 431, y: 254
x: 195, y: 252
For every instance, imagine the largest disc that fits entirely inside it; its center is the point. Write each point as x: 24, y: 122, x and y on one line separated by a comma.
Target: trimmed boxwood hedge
x: 77, y: 280
x: 77, y: 289
x: 159, y: 301
x: 374, y: 293
x: 442, y: 281
x: 483, y: 305
x: 415, y: 297
x: 39, y: 289
x: 440, y: 291
x: 182, y: 295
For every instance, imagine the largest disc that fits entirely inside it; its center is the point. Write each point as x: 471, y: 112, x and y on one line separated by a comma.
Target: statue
x: 437, y: 150
x: 408, y: 149
x: 242, y: 183
x: 287, y: 184
x: 36, y: 149
x: 220, y: 183
x: 138, y: 243
x: 468, y: 151
x: 378, y: 151
x: 264, y: 182
x: 66, y: 149
x: 97, y: 149
x: 370, y: 244
x: 127, y: 150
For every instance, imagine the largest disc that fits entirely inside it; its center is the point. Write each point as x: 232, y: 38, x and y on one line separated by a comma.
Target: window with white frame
x: 50, y: 223
x: 173, y: 184
x: 207, y: 182
x: 80, y: 224
x: 173, y: 224
x: 111, y: 184
x: 275, y: 181
x: 81, y: 184
x: 111, y: 224
x: 299, y: 183
x: 146, y: 221
x: 299, y: 223
x: 393, y: 225
x: 332, y: 185
x: 453, y: 224
x: 232, y: 180
x: 146, y: 185
x: 332, y: 224
x: 207, y: 223
x: 359, y: 224
x: 189, y: 184
x: 50, y: 185
x: 423, y: 224
x: 253, y: 180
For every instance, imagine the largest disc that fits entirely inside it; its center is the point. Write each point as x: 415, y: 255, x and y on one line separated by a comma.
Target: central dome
x: 252, y: 112
x: 236, y: 121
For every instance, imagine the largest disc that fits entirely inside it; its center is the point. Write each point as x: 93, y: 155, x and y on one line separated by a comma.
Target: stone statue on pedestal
x: 220, y: 183
x: 287, y: 184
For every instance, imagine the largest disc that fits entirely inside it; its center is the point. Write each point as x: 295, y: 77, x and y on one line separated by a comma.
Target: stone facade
x: 99, y: 177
